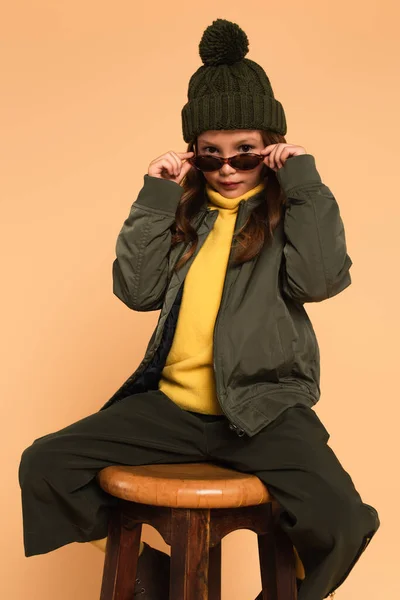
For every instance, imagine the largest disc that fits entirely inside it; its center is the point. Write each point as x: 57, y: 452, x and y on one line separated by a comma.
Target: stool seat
x: 191, y: 485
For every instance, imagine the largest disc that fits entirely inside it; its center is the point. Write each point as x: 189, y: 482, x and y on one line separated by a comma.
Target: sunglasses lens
x: 245, y: 162
x: 207, y: 163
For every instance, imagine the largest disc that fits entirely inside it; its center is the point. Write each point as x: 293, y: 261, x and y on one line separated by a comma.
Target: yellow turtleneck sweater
x: 188, y: 375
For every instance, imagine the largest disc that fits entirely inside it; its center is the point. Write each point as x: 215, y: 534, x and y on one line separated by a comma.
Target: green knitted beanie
x: 229, y: 91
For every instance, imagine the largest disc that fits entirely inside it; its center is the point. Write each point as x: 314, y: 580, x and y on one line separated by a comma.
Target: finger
x: 167, y: 167
x: 179, y: 156
x: 283, y: 155
x: 267, y: 149
x: 274, y: 154
x: 185, y: 169
x: 267, y: 161
x: 177, y: 161
x: 271, y: 163
x: 279, y: 158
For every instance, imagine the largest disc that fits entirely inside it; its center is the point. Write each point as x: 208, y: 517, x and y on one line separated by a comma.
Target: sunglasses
x: 241, y: 162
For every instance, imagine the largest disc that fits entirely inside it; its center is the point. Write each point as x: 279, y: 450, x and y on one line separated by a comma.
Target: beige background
x: 91, y: 93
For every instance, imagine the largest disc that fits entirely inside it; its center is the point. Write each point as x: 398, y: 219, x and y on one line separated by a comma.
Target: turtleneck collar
x: 215, y: 199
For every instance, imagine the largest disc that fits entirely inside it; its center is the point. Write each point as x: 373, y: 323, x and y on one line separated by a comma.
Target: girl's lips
x: 230, y: 184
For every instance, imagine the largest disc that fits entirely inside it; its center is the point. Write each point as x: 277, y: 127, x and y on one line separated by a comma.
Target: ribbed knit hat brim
x: 232, y: 111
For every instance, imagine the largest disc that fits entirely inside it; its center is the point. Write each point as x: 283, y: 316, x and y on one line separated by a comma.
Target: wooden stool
x: 193, y: 506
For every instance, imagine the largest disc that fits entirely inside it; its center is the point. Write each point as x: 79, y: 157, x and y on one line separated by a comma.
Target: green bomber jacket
x: 266, y: 355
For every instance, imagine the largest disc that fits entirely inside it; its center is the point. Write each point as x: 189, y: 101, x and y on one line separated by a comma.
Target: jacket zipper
x: 232, y: 425
x: 172, y: 304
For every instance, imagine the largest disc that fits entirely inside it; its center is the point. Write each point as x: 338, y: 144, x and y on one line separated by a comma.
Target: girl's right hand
x: 171, y: 165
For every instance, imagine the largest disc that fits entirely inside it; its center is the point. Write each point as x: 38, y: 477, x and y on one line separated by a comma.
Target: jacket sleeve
x: 316, y: 264
x: 140, y: 270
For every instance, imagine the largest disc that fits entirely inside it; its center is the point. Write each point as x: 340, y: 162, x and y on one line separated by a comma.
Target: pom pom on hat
x: 223, y: 43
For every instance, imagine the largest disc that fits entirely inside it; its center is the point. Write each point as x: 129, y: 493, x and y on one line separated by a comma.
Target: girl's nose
x: 227, y: 169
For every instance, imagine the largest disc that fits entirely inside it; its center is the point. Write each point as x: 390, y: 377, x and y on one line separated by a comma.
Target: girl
x: 229, y: 239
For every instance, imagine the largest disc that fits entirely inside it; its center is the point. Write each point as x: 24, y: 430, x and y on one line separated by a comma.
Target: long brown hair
x: 256, y: 231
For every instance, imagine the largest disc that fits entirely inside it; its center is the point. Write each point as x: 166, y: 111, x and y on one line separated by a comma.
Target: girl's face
x: 227, y: 143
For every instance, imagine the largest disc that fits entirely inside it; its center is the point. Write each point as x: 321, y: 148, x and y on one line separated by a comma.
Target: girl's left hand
x: 277, y: 154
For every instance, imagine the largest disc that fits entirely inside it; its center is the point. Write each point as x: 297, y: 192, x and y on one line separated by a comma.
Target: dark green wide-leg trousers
x: 322, y: 512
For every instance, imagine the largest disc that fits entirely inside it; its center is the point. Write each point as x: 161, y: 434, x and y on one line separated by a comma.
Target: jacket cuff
x: 297, y: 171
x: 160, y: 194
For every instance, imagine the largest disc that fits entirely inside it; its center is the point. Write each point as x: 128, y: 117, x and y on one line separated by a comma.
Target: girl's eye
x: 248, y: 146
x: 210, y: 148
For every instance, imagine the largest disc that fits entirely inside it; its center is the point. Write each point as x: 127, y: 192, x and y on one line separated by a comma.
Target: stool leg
x: 120, y: 562
x: 214, y: 573
x: 285, y: 566
x: 266, y: 552
x: 190, y: 539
